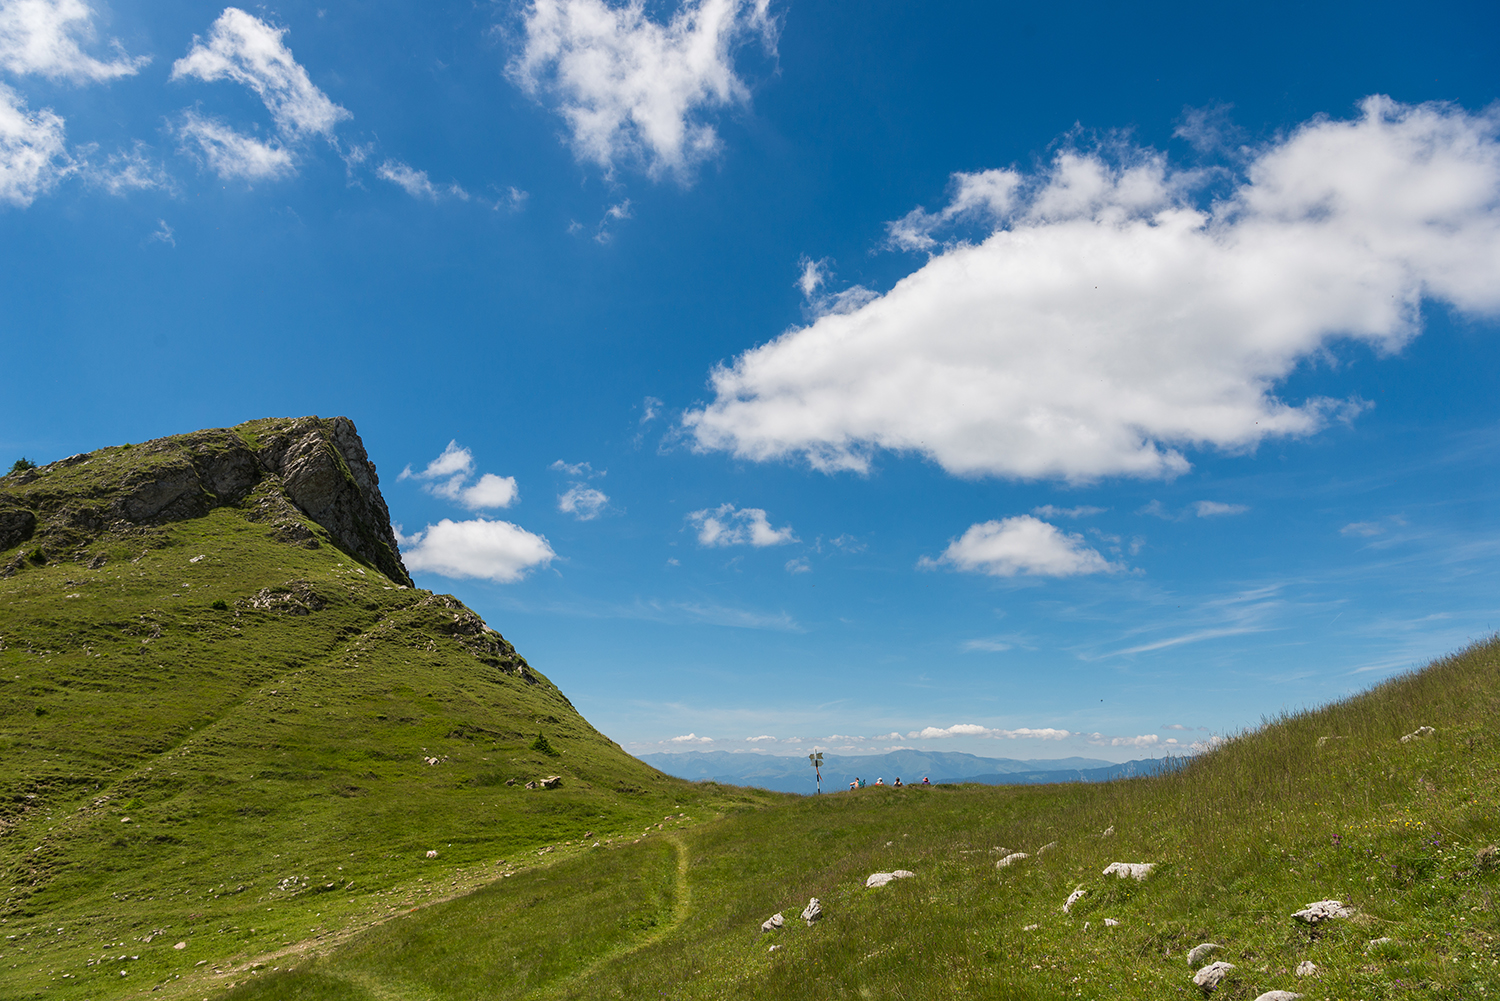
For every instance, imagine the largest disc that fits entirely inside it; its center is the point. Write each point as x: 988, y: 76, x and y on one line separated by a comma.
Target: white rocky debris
x: 1012, y: 857
x: 1073, y: 898
x: 1322, y: 910
x: 1111, y: 923
x: 1418, y: 734
x: 1278, y: 996
x: 431, y: 853
x: 1031, y: 927
x: 773, y: 922
x: 812, y: 912
x: 1306, y: 968
x: 1137, y: 871
x: 1212, y: 975
x: 1200, y: 952
x: 1108, y: 831
x: 1374, y: 942
x: 1047, y: 847
x: 882, y: 878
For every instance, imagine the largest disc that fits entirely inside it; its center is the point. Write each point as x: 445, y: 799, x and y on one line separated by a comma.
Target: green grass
x: 222, y: 739
x: 290, y: 734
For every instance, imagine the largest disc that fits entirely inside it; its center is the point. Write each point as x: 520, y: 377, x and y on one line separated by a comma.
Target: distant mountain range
x: 795, y: 774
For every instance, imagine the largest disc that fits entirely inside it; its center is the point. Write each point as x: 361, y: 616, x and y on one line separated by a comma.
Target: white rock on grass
x: 882, y: 878
x: 1307, y: 968
x: 1377, y: 942
x: 1031, y: 928
x: 1047, y: 847
x: 1137, y: 871
x: 1212, y: 975
x: 1278, y: 996
x: 1322, y: 910
x: 773, y: 922
x: 431, y: 853
x: 812, y: 912
x: 1111, y: 923
x: 1108, y: 831
x: 1200, y: 952
x: 1073, y: 898
x: 1012, y: 857
x: 1418, y: 734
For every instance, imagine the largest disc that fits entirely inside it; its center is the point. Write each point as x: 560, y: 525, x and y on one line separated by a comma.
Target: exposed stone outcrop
x: 319, y: 471
x: 1323, y: 910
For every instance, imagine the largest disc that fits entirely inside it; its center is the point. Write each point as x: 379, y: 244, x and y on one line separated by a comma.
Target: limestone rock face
x: 319, y: 471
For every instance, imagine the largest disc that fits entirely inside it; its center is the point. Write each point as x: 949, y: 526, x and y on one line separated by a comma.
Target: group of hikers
x: 860, y: 783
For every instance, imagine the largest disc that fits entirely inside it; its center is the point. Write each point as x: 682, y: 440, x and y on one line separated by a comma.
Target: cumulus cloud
x: 762, y: 737
x: 635, y: 90
x: 975, y: 730
x: 583, y: 502
x: 45, y: 38
x: 416, y: 183
x: 1021, y: 545
x: 1109, y: 319
x: 493, y: 550
x: 1144, y: 740
x: 578, y: 470
x: 33, y: 153
x: 691, y: 738
x: 231, y: 154
x: 247, y: 50
x: 725, y: 526
x: 448, y: 475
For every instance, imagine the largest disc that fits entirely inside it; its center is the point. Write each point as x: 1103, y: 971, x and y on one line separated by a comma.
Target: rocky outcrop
x: 1211, y: 976
x: 301, y: 468
x: 1323, y: 910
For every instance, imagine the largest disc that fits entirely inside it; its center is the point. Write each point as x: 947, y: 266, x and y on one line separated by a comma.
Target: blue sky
x: 973, y: 377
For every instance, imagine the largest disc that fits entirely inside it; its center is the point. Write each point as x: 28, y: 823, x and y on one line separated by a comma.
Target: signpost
x: 817, y: 762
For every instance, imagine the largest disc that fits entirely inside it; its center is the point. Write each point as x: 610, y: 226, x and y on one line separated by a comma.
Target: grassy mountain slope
x: 1243, y: 836
x: 226, y: 724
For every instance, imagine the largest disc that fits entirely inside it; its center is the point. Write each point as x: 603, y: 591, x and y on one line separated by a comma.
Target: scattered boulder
x: 531, y: 785
x: 1031, y: 927
x: 1376, y: 943
x: 180, y: 945
x: 772, y: 923
x: 1111, y: 923
x: 1108, y: 831
x: 1322, y: 910
x: 1278, y: 996
x: 1046, y: 848
x: 1073, y: 898
x: 812, y: 912
x: 1137, y: 871
x: 431, y: 853
x: 1418, y: 734
x: 551, y: 781
x: 1012, y: 857
x: 1212, y: 975
x: 882, y: 878
x: 1307, y: 968
x: 1201, y: 952
x: 773, y: 948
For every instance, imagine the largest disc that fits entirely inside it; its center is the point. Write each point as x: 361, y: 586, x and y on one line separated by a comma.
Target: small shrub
x: 220, y: 605
x: 38, y: 557
x: 541, y: 744
x: 21, y: 465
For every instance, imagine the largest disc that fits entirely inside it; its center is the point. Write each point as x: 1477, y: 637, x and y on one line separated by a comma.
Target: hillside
x: 1326, y: 804
x: 228, y: 720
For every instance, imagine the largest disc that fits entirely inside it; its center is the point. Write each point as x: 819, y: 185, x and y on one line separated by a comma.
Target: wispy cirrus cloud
x: 633, y: 89
x: 1114, y: 314
x: 416, y: 182
x: 46, y: 38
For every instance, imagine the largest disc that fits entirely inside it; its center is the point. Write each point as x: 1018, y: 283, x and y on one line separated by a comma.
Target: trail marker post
x: 817, y: 762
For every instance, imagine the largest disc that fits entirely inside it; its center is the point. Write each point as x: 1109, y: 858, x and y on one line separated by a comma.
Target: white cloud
x: 579, y: 470
x: 1021, y: 545
x: 799, y: 565
x: 975, y: 730
x: 416, y: 183
x: 1210, y: 509
x: 583, y: 503
x: 691, y: 738
x: 987, y: 645
x: 130, y: 170
x: 989, y: 195
x: 1175, y: 726
x: 1107, y: 322
x: 724, y: 526
x: 43, y: 37
x: 764, y: 736
x: 814, y: 274
x: 1362, y: 528
x: 1144, y: 740
x: 162, y: 234
x: 490, y: 491
x: 650, y: 409
x: 632, y: 89
x: 33, y: 156
x: 247, y: 50
x: 448, y: 475
x: 233, y: 155
x: 1082, y: 511
x: 494, y: 550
